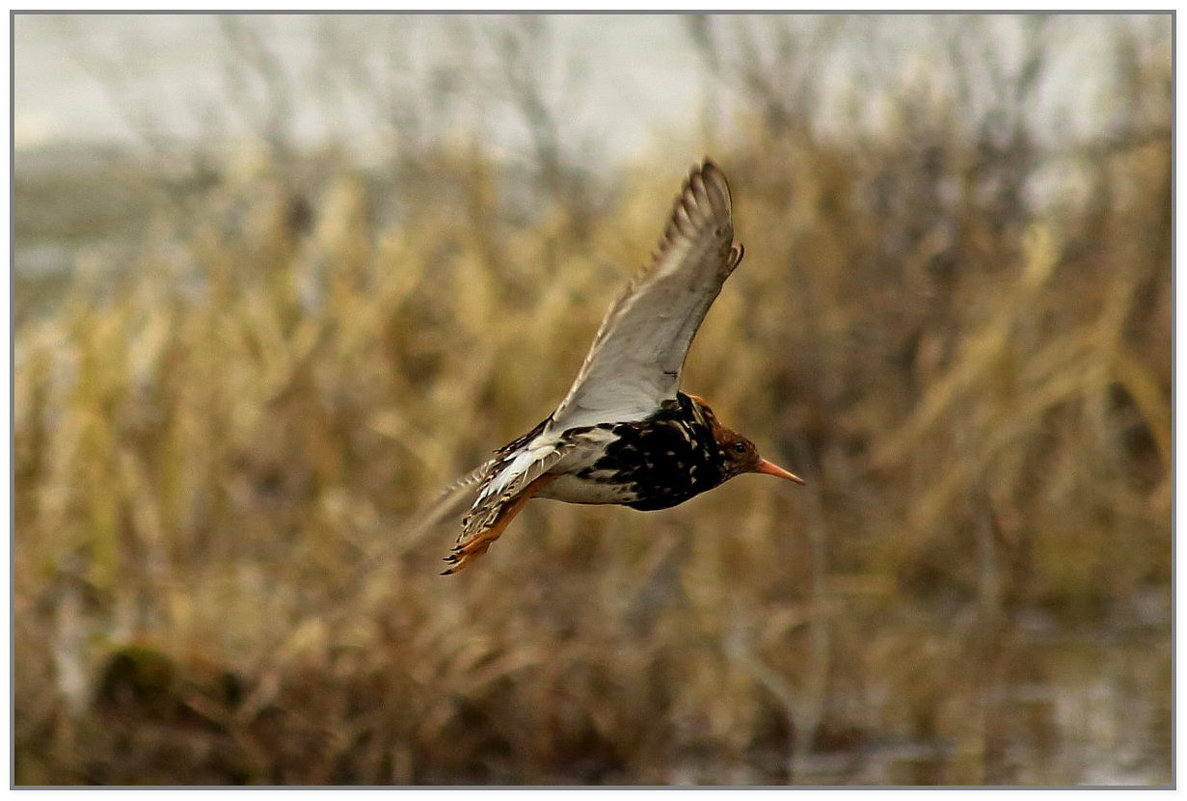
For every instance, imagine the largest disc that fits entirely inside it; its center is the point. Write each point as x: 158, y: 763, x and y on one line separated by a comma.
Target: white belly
x: 571, y: 489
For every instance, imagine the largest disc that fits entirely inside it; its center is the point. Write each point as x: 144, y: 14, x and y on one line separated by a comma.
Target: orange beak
x: 772, y: 469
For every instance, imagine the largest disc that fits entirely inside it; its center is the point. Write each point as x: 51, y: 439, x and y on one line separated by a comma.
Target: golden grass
x: 218, y: 445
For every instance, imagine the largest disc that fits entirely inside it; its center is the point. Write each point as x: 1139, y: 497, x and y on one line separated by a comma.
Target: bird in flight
x: 625, y: 433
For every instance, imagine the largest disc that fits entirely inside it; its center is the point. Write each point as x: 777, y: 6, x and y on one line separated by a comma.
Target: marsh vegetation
x: 227, y: 410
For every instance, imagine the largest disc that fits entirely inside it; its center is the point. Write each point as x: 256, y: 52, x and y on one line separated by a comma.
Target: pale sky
x: 620, y: 85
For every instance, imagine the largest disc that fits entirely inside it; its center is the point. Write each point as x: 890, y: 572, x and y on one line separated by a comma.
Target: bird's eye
x: 739, y: 448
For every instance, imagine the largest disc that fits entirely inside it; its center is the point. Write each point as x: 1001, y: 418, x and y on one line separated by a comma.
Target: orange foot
x: 477, y: 543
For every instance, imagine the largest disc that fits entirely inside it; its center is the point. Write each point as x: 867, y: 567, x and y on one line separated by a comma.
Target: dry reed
x: 218, y: 444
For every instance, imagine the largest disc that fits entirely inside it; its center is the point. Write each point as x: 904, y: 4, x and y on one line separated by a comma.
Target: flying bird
x: 625, y: 433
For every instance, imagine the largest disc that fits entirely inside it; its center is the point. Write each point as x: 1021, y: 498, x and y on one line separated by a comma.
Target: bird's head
x: 738, y: 455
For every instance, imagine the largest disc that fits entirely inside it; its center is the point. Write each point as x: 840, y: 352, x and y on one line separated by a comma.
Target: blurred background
x: 279, y: 279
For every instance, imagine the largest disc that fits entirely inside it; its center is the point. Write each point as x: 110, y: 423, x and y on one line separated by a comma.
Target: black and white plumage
x: 624, y: 433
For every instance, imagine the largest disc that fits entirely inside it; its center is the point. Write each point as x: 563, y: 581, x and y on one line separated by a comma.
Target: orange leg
x: 477, y: 544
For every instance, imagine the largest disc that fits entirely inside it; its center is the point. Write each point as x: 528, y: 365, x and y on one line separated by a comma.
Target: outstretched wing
x: 637, y: 356
x: 452, y: 500
x: 469, y: 490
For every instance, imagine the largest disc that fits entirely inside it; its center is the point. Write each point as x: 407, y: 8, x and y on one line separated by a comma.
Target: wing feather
x: 638, y: 354
x: 451, y: 500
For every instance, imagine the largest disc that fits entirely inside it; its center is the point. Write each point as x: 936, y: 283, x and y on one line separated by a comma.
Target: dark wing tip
x: 736, y: 254
x: 704, y: 198
x: 708, y: 167
x: 712, y: 176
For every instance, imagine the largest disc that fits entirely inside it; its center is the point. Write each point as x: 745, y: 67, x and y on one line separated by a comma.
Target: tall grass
x: 219, y: 443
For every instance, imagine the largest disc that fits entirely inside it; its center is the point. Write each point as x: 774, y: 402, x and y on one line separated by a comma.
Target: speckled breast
x: 660, y: 462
